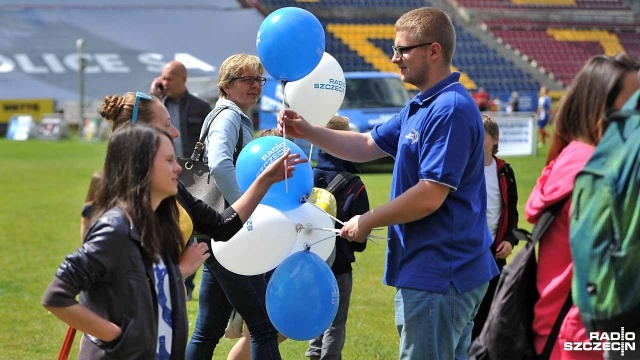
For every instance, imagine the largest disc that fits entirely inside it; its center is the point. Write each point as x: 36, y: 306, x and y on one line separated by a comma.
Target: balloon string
x: 332, y: 217
x: 333, y: 230
x: 358, y: 266
x: 335, y: 218
x: 342, y: 223
x: 284, y: 143
x: 325, y: 239
x: 336, y: 231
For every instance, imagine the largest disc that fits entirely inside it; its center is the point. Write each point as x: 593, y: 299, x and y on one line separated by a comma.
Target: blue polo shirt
x: 438, y: 137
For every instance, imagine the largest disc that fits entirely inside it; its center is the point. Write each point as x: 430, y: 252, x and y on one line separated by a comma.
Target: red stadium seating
x: 579, y: 4
x: 565, y: 56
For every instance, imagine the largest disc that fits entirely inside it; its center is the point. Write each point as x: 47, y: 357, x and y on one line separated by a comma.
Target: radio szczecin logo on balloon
x: 272, y: 155
x: 334, y: 84
x: 611, y: 341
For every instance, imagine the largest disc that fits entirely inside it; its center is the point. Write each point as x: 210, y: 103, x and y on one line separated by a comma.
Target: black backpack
x: 507, y: 332
x: 338, y: 183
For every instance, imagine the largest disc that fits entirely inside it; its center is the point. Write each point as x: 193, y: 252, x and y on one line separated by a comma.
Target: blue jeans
x: 328, y: 346
x: 436, y: 326
x: 221, y: 291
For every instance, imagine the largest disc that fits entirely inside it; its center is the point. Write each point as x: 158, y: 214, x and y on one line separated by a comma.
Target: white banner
x: 20, y: 127
x: 517, y: 134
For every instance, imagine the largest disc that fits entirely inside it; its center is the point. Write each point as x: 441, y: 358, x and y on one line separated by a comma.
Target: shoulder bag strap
x: 340, y: 181
x: 238, y: 145
x: 198, y: 150
x: 546, y: 219
x: 555, y: 330
x: 541, y: 227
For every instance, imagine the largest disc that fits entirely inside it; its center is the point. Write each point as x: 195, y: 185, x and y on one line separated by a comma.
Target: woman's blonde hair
x: 233, y: 67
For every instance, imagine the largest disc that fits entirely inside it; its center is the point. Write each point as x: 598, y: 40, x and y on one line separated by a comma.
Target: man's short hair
x: 429, y: 24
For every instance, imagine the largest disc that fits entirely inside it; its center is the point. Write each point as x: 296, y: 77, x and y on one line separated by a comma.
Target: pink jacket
x: 555, y: 266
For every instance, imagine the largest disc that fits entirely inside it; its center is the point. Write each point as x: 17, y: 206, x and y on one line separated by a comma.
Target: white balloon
x: 319, y: 95
x: 264, y: 241
x: 321, y: 242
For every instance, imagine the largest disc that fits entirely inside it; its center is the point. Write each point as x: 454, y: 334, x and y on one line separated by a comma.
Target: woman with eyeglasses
x: 240, y: 82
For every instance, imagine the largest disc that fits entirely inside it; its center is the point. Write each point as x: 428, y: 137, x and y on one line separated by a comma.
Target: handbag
x: 195, y: 173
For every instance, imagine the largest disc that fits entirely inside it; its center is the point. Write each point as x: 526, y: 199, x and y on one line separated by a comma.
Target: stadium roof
x: 125, y: 46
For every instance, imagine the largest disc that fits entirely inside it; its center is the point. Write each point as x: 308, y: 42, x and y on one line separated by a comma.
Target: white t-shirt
x: 494, y: 200
x: 165, y: 333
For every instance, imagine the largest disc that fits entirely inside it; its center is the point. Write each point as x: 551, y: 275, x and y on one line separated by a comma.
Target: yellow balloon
x: 324, y: 200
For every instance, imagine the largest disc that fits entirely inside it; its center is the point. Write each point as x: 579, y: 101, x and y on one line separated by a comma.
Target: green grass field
x: 42, y: 188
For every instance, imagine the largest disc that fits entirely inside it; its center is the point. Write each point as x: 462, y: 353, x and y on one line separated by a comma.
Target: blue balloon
x: 260, y: 153
x: 302, y: 296
x: 290, y: 43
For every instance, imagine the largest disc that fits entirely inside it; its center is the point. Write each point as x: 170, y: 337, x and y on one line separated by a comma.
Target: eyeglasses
x: 250, y: 79
x: 399, y: 50
x: 139, y: 96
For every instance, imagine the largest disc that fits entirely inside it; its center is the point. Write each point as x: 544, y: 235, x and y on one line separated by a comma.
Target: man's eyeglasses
x: 136, y: 104
x: 250, y: 79
x: 400, y: 50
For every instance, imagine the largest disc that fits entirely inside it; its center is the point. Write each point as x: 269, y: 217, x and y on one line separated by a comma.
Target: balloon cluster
x: 288, y: 232
x: 291, y: 46
x: 285, y: 231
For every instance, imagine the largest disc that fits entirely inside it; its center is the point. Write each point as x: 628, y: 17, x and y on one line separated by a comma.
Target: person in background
x: 496, y: 104
x: 440, y: 275
x: 187, y: 115
x: 604, y: 82
x: 187, y: 111
x: 502, y: 212
x: 351, y: 200
x: 544, y: 115
x: 513, y: 105
x: 119, y: 111
x: 96, y: 179
x: 240, y: 84
x: 481, y: 97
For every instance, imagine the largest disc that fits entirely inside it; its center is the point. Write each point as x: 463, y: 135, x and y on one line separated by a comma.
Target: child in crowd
x: 352, y: 200
x: 502, y: 212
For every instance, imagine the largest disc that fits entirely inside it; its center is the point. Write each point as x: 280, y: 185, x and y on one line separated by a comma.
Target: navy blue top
x: 351, y: 200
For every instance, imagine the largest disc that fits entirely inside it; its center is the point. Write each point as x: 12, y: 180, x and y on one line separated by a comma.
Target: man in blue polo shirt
x: 438, y: 255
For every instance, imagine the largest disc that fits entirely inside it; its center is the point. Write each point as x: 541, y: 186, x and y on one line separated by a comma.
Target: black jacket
x: 193, y: 111
x: 221, y: 226
x: 509, y: 204
x: 116, y: 281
